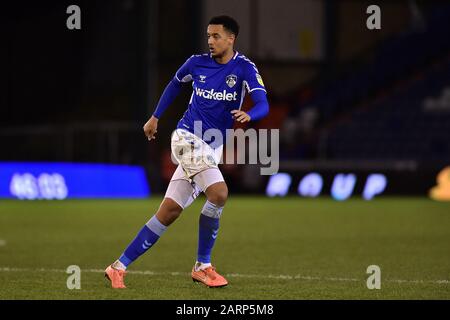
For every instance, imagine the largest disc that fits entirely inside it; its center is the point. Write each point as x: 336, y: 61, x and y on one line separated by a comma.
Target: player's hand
x: 150, y: 128
x: 240, y: 116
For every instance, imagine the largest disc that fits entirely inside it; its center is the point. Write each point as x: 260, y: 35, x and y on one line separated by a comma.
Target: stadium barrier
x: 58, y: 181
x: 366, y: 179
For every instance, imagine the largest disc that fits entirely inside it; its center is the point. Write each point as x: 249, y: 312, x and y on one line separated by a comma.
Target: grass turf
x: 289, y: 248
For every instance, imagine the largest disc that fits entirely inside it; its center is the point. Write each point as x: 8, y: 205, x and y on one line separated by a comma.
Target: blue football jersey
x: 217, y: 89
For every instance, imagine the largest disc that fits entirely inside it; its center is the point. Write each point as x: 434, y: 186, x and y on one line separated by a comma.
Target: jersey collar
x: 234, y: 57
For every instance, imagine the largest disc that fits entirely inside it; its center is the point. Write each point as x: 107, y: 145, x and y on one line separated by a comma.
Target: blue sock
x: 207, y: 232
x: 144, y: 240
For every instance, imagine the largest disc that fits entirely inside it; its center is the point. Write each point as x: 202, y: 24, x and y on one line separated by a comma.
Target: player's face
x: 220, y: 41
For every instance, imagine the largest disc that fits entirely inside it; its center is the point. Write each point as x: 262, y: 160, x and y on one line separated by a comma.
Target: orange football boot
x: 116, y: 277
x: 209, y: 277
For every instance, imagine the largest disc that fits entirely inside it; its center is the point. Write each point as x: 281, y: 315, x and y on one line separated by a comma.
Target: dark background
x: 84, y: 95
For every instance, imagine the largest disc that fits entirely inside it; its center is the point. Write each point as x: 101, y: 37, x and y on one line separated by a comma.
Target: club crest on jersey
x: 202, y: 78
x: 231, y: 80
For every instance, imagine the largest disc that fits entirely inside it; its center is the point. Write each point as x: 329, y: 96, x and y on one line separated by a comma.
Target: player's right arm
x: 170, y: 93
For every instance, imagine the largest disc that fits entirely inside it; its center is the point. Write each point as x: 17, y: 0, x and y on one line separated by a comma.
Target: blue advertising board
x: 39, y: 180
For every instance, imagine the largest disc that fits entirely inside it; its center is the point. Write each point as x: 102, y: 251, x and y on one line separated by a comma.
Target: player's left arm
x: 259, y: 110
x: 255, y: 87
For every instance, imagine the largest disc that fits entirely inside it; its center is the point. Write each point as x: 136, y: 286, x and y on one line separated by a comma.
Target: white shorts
x: 197, y: 168
x: 192, y: 153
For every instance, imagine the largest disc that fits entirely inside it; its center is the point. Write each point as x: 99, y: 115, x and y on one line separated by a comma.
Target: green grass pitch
x: 288, y: 248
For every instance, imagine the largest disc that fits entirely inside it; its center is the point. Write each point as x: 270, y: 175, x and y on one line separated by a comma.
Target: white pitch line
x: 232, y: 275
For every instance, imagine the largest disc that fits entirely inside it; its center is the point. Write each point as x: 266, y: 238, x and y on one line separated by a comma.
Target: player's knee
x: 174, y: 212
x: 168, y: 211
x: 217, y: 193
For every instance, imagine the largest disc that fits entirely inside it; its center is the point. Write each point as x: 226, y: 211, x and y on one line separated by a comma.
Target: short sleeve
x: 184, y: 74
x: 253, y: 79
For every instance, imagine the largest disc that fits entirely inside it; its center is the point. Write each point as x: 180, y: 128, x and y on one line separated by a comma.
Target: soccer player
x: 220, y: 79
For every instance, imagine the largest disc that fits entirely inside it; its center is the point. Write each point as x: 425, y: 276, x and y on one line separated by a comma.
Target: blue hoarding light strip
x: 46, y: 180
